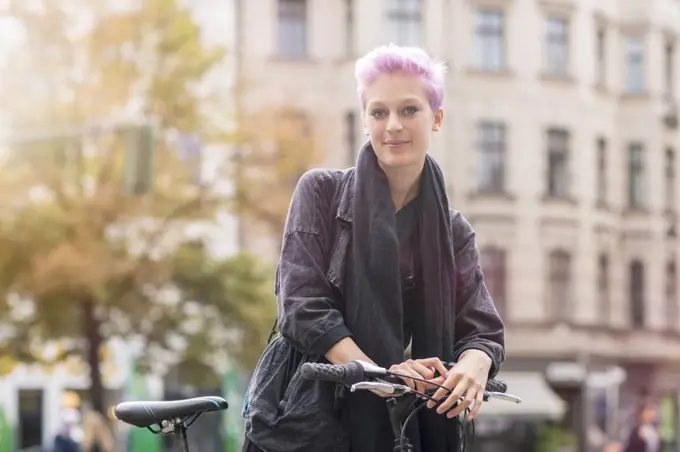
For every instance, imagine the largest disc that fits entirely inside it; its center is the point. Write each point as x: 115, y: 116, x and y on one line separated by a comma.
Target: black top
x: 406, y: 230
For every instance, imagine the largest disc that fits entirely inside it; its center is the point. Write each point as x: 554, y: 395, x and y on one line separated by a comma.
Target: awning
x: 538, y: 399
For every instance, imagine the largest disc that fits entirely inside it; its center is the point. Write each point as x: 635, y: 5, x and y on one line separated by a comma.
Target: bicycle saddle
x: 146, y: 414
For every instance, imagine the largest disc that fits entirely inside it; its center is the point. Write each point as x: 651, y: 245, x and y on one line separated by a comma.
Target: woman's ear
x: 438, y: 119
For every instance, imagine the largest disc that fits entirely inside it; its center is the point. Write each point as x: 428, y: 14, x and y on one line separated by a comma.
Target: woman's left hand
x: 467, y: 378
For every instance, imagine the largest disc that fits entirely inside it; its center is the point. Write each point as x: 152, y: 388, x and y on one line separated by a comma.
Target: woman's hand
x: 467, y: 378
x: 419, y: 368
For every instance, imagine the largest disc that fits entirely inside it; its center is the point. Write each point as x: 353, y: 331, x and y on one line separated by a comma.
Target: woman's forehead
x: 395, y: 88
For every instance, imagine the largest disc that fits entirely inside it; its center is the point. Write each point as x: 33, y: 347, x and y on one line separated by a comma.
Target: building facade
x: 560, y: 144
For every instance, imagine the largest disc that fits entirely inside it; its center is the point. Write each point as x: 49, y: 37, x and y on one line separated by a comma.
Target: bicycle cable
x: 462, y: 427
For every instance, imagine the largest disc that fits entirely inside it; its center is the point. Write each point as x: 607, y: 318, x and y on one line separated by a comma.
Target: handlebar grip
x: 494, y: 385
x: 346, y: 374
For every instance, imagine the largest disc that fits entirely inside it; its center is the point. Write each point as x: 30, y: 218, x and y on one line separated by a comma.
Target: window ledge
x: 635, y: 211
x: 603, y: 206
x: 602, y: 89
x: 633, y: 97
x: 491, y: 194
x: 277, y: 58
x: 566, y: 79
x: 492, y: 73
x: 566, y: 199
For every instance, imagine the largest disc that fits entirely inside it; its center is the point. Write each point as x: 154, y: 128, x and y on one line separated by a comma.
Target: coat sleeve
x: 478, y: 325
x: 309, y: 314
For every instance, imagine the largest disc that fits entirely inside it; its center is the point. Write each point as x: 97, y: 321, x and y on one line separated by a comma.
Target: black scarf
x: 373, y: 302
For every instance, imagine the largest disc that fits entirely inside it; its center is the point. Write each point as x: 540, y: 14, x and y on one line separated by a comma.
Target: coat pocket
x: 269, y: 380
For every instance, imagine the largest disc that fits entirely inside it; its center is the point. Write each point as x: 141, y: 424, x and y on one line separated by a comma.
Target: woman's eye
x: 378, y: 113
x: 410, y: 111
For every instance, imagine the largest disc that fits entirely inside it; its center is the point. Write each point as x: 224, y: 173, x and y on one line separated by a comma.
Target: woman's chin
x: 399, y: 161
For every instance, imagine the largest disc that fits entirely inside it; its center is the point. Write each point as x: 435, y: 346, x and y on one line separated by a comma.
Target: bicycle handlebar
x: 361, y: 375
x: 355, y: 372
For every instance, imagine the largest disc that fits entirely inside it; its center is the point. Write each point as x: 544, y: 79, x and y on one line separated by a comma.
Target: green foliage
x: 553, y: 438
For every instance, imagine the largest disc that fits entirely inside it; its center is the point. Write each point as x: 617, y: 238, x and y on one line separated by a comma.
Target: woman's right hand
x: 424, y: 369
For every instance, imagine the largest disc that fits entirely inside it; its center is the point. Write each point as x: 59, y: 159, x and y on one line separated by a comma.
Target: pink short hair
x: 413, y: 61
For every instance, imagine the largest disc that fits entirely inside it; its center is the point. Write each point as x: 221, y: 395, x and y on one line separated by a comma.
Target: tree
x: 277, y: 146
x: 94, y: 208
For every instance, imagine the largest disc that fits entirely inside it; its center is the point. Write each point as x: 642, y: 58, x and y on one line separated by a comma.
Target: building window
x: 635, y: 64
x: 637, y: 293
x: 491, y: 157
x: 601, y: 52
x: 490, y: 40
x: 670, y: 68
x: 349, y: 28
x: 601, y: 166
x: 557, y: 46
x: 558, y: 163
x: 31, y: 411
x: 669, y: 176
x: 636, y: 176
x: 559, y: 283
x: 292, y: 28
x: 604, y: 301
x: 351, y: 136
x: 493, y: 260
x: 404, y: 19
x: 671, y: 295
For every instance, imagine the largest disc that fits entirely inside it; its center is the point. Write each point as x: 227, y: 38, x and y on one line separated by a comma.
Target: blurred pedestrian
x: 645, y: 436
x: 613, y: 446
x: 97, y: 436
x: 69, y: 433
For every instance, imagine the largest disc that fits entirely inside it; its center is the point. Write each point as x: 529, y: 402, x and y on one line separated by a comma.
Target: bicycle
x: 175, y: 417
x: 403, y: 402
x: 169, y: 417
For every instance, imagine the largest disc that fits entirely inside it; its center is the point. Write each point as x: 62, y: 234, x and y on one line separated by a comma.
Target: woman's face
x: 399, y: 120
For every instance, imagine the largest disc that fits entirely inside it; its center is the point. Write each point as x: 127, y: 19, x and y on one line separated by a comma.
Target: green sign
x: 668, y: 419
x: 233, y: 424
x: 141, y: 439
x: 6, y: 433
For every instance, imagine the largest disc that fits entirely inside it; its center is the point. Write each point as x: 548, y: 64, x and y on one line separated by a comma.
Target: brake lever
x: 382, y: 386
x: 373, y: 386
x: 488, y: 395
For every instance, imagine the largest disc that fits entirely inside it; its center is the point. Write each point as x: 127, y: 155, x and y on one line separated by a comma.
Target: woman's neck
x: 404, y: 183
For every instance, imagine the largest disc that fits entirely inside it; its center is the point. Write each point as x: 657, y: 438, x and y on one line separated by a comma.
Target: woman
x: 373, y: 259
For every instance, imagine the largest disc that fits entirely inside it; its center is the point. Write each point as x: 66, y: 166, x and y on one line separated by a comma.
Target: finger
x: 425, y: 371
x: 478, y: 404
x: 437, y: 381
x: 455, y: 396
x: 434, y: 383
x: 397, y: 370
x: 434, y: 363
x: 450, y: 382
x: 405, y: 372
x: 470, y: 396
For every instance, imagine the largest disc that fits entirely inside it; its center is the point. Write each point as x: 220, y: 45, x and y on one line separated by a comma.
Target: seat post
x: 181, y: 437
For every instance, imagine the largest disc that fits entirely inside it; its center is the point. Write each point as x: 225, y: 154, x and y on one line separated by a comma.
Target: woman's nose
x: 394, y: 124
